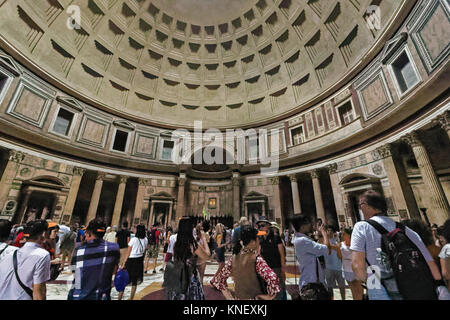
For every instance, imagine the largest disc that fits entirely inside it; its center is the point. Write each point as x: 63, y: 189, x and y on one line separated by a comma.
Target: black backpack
x: 151, y: 236
x: 412, y: 273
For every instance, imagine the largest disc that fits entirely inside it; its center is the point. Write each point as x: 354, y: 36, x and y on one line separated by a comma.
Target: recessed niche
x: 152, y: 10
x: 211, y: 48
x: 120, y: 141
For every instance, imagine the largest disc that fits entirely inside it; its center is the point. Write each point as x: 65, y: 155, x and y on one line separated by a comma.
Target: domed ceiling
x: 229, y: 63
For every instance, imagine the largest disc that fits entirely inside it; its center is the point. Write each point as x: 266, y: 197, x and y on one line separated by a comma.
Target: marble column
x: 23, y: 207
x: 438, y: 209
x: 180, y: 198
x: 93, y: 206
x: 236, y: 196
x: 15, y: 158
x: 119, y: 201
x: 337, y: 193
x: 320, y: 210
x: 152, y: 208
x: 73, y: 193
x: 402, y: 193
x: 139, y: 202
x: 275, y: 181
x: 444, y: 121
x: 295, y: 194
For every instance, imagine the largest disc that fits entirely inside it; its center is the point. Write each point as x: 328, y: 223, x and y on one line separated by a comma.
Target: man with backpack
x: 153, y: 246
x: 389, y: 257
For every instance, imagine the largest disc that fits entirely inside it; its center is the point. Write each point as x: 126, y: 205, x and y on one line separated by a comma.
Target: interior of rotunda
x: 149, y: 110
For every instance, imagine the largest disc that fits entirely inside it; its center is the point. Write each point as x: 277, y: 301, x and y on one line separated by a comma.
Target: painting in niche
x: 212, y: 203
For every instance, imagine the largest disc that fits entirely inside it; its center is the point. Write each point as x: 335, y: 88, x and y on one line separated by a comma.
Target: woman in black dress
x: 134, y: 259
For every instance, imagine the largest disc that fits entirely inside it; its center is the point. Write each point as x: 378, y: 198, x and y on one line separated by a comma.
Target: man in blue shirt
x: 94, y: 263
x: 307, y: 251
x: 333, y: 264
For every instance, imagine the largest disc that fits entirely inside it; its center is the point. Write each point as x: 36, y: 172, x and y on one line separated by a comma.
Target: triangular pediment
x: 162, y: 194
x: 254, y: 194
x: 9, y: 64
x: 68, y: 101
x: 392, y: 46
x: 124, y: 124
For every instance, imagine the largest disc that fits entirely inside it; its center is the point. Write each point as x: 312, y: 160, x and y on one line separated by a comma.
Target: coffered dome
x: 170, y: 62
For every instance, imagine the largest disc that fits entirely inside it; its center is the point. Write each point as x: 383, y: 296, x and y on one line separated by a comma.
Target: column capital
x: 413, y: 139
x: 16, y: 156
x: 143, y: 182
x: 101, y: 176
x: 236, y: 181
x: 444, y: 120
x: 123, y: 179
x: 332, y: 168
x: 77, y: 171
x: 181, y: 182
x: 293, y: 177
x: 385, y: 151
x: 315, y: 174
x: 274, y: 180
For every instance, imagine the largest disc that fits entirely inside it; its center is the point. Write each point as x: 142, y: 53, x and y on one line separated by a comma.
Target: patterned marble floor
x: 151, y: 288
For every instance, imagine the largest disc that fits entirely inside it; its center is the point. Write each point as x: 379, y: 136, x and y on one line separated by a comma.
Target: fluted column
x: 180, y: 198
x: 93, y: 206
x: 139, y: 201
x: 15, y: 158
x: 23, y: 207
x: 438, y: 208
x: 119, y: 201
x: 236, y: 196
x: 73, y: 193
x: 275, y: 181
x: 320, y: 210
x: 402, y: 193
x: 295, y: 194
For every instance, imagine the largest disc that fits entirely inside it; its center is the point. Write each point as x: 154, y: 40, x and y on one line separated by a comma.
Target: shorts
x: 66, y: 251
x: 334, y: 279
x: 220, y: 254
x: 152, y: 251
x: 349, y: 276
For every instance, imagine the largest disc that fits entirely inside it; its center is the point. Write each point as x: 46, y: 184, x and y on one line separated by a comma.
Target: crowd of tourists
x: 379, y: 259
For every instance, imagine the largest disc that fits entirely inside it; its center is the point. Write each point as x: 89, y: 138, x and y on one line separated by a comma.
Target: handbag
x: 262, y: 283
x: 55, y: 271
x: 176, y: 277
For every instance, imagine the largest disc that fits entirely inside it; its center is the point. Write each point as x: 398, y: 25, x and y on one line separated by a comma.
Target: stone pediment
x: 162, y: 195
x: 124, y: 124
x: 392, y: 46
x: 70, y: 102
x: 254, y: 195
x: 8, y: 63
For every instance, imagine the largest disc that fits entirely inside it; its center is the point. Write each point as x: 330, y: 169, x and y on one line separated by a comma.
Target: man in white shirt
x: 33, y: 267
x: 5, y: 248
x: 366, y: 244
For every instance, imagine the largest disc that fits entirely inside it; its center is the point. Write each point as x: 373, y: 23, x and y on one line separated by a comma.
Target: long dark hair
x: 140, y: 231
x: 247, y: 234
x: 185, y: 240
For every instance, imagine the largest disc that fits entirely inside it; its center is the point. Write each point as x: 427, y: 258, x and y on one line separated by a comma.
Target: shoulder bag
x: 24, y: 287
